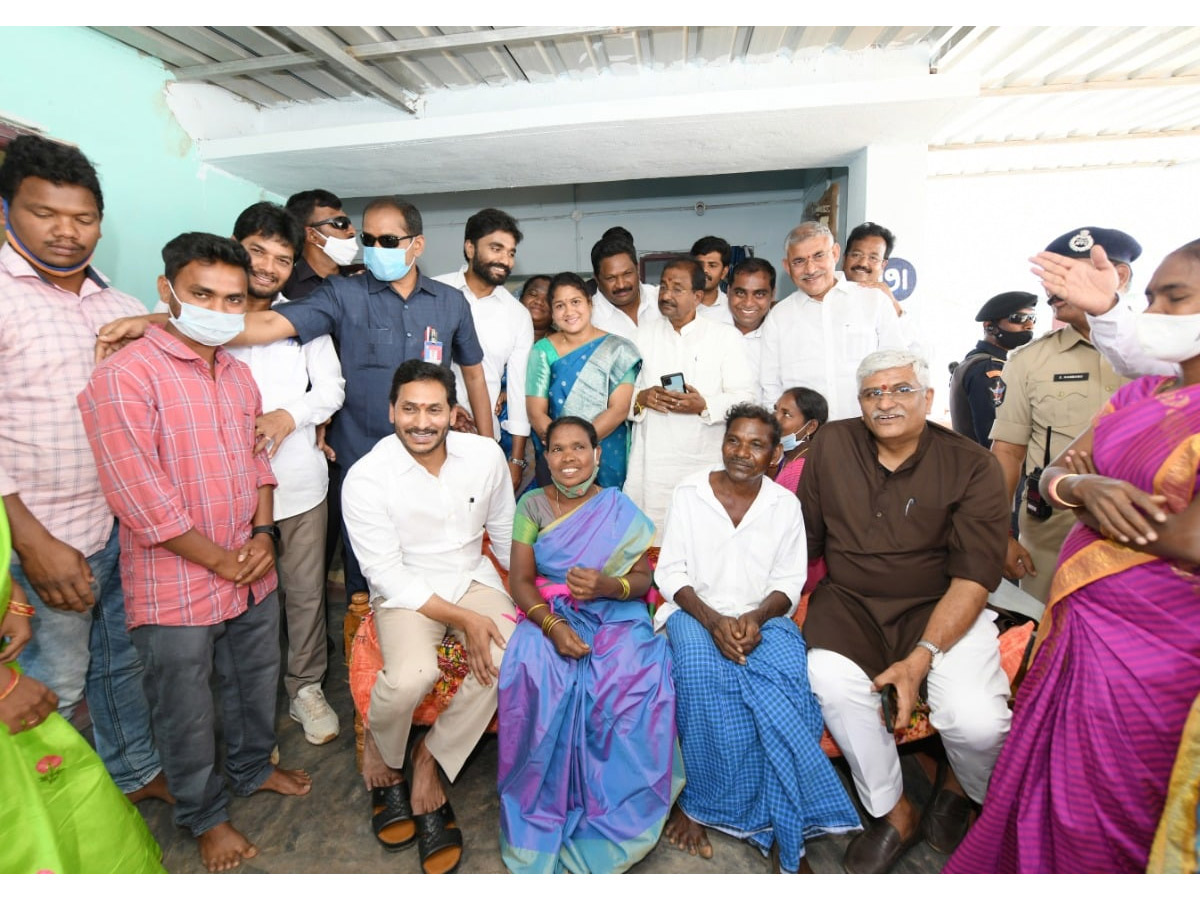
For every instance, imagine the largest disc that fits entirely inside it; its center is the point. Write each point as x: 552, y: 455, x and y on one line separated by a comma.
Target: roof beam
x: 1070, y: 139
x: 363, y: 52
x: 327, y: 47
x: 1113, y: 84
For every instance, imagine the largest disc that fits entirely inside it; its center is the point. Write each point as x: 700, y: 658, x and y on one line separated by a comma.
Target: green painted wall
x: 83, y: 87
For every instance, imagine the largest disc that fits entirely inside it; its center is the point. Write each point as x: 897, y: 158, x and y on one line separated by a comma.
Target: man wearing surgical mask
x: 391, y: 314
x: 171, y: 424
x: 330, y: 245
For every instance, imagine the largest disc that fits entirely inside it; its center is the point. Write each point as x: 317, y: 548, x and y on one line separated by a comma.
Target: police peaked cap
x: 1004, y: 305
x: 1119, y: 246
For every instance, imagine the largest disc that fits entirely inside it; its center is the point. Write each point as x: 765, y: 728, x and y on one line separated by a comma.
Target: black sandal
x: 392, y: 817
x: 439, y: 841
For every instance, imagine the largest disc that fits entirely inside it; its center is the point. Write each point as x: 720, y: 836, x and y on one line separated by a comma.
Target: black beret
x: 1004, y: 305
x: 1119, y: 246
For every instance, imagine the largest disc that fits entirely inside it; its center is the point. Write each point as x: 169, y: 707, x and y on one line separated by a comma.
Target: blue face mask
x: 209, y: 327
x: 790, y: 442
x: 387, y: 264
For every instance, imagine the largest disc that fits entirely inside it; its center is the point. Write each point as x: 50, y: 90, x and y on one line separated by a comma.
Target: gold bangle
x: 1052, y: 493
x: 12, y: 684
x: 529, y: 612
x: 549, y: 622
x: 558, y: 620
x: 17, y: 608
x: 624, y: 583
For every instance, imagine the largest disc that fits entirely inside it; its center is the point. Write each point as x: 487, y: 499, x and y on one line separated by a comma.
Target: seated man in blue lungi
x: 732, y: 565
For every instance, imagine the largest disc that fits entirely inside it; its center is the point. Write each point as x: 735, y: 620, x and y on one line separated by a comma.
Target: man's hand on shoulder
x: 119, y: 332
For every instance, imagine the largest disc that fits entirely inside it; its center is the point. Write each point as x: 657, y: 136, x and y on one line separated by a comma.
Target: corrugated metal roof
x: 1037, y: 83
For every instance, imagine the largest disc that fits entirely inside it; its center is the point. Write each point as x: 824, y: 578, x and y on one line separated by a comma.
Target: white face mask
x: 341, y: 250
x: 1169, y: 338
x: 206, y: 326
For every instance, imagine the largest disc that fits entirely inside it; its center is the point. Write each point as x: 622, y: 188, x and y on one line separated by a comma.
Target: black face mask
x: 1011, y: 340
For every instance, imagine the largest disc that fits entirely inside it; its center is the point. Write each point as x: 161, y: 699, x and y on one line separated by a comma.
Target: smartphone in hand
x: 673, y: 382
x: 888, y: 701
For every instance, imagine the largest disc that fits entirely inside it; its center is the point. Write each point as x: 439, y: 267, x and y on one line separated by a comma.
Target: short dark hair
x: 487, y: 221
x: 301, y: 205
x: 811, y: 403
x: 412, y: 216
x: 193, y: 246
x: 564, y: 421
x: 618, y: 231
x: 750, y: 266
x: 529, y: 281
x: 713, y: 244
x: 756, y: 412
x: 31, y: 156
x: 419, y: 370
x: 686, y: 262
x: 272, y: 221
x: 614, y: 246
x: 567, y: 279
x: 870, y: 229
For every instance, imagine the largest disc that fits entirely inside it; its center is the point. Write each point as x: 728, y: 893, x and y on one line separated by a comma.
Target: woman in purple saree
x: 588, y: 764
x: 1082, y: 779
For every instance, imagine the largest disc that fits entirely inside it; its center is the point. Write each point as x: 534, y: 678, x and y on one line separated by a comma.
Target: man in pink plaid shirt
x: 171, y: 421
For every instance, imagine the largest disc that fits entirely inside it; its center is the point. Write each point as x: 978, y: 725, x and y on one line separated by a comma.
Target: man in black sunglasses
x: 329, y: 243
x: 976, y: 388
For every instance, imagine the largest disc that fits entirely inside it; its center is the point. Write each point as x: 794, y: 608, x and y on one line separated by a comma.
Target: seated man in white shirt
x: 713, y: 253
x: 732, y: 567
x: 505, y: 330
x: 816, y: 337
x: 693, y: 371
x: 416, y: 507
x: 301, y: 387
x: 621, y: 303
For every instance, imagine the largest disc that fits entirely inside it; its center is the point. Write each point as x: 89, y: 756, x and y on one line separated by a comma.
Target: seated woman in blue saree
x: 582, y: 371
x: 588, y: 761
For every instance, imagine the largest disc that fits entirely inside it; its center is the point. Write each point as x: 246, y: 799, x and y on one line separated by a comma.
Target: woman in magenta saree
x: 1082, y: 779
x: 588, y: 770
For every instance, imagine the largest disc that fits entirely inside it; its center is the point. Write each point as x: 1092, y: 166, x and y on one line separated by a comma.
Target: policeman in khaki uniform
x: 1058, y: 382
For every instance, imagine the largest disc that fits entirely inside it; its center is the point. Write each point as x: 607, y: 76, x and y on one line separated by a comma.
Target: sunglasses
x: 1022, y: 318
x: 387, y: 241
x: 341, y: 223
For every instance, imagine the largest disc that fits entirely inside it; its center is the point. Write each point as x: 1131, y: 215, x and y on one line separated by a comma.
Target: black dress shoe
x: 877, y: 849
x: 946, y: 821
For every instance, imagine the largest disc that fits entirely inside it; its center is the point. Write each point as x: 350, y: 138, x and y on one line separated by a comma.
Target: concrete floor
x: 328, y: 831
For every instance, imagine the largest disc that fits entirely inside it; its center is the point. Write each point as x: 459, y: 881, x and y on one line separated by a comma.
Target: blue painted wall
x: 83, y: 87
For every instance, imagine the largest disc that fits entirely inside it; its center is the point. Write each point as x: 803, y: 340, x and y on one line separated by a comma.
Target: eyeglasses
x: 1022, y: 318
x: 341, y: 223
x: 856, y: 255
x: 903, y: 392
x: 387, y: 241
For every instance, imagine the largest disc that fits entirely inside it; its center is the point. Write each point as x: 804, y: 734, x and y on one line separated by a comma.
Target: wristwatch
x: 935, y: 652
x: 518, y: 462
x: 272, y: 530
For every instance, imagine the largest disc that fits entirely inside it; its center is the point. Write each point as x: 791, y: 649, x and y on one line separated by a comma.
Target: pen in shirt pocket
x: 912, y: 501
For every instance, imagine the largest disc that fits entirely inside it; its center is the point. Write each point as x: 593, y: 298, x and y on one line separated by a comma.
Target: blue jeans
x: 180, y: 661
x: 89, y: 653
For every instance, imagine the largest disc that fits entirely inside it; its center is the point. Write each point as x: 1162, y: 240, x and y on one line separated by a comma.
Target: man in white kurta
x: 621, y: 303
x: 301, y: 387
x: 816, y: 337
x: 676, y: 433
x: 504, y: 327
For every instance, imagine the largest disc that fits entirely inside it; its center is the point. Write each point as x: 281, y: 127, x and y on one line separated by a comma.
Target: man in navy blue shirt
x: 388, y: 315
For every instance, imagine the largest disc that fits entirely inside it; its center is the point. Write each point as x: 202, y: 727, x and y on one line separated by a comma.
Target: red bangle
x: 12, y: 684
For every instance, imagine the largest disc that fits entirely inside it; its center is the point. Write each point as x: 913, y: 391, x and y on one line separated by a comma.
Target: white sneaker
x: 316, y: 717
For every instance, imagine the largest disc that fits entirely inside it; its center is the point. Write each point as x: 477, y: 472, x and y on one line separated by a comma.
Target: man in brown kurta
x: 912, y: 521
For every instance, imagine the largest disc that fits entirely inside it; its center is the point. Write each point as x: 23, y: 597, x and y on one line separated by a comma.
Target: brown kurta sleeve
x: 979, y: 526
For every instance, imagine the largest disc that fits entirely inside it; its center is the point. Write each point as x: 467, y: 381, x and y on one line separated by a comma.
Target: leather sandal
x: 877, y: 849
x: 946, y: 821
x: 392, y: 817
x: 439, y: 841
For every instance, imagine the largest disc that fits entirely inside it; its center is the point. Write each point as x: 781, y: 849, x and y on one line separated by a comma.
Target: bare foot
x: 293, y: 782
x: 375, y: 772
x: 223, y: 847
x: 156, y: 787
x: 684, y: 833
x: 427, y: 794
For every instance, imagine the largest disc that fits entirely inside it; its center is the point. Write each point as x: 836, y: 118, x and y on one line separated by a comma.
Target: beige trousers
x: 409, y: 641
x: 301, y: 568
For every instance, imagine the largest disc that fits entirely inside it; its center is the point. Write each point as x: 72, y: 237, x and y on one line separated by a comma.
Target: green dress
x: 59, y: 809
